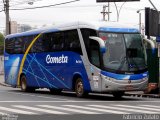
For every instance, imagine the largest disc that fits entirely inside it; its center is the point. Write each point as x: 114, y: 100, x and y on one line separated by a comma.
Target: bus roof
x: 99, y: 26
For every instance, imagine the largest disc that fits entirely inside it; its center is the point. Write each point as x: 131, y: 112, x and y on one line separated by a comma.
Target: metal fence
x: 1, y: 65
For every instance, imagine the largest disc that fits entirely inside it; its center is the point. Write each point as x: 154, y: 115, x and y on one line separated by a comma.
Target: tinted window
x: 18, y: 46
x: 48, y: 42
x: 56, y: 41
x: 92, y: 47
x: 94, y: 53
x: 14, y: 46
x: 27, y: 41
x: 72, y: 41
x: 40, y: 45
x: 86, y: 33
x: 9, y: 45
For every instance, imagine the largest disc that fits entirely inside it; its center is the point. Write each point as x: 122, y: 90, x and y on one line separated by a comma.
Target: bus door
x: 95, y: 64
x: 92, y: 54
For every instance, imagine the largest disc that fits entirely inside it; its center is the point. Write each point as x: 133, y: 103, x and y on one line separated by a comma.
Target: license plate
x: 130, y: 87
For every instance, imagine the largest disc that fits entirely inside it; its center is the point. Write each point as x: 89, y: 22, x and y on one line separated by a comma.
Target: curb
x: 4, y: 84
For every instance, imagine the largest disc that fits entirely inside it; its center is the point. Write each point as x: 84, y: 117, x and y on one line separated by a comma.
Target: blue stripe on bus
x: 126, y: 30
x: 123, y: 77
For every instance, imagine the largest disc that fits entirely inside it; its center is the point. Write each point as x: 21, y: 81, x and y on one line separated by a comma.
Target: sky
x: 82, y: 10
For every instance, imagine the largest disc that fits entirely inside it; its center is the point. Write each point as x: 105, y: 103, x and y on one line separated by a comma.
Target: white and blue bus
x: 81, y: 57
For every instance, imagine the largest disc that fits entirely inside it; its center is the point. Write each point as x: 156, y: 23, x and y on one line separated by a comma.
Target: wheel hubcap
x: 23, y: 84
x: 80, y: 88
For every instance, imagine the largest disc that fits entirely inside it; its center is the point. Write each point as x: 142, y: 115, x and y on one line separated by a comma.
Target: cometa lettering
x: 61, y: 59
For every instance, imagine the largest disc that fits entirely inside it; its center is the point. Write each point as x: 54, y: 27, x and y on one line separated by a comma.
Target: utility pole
x: 6, y: 8
x: 108, y: 11
x: 104, y: 12
x: 140, y: 23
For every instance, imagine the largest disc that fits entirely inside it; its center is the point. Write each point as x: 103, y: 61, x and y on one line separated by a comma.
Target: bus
x: 82, y: 57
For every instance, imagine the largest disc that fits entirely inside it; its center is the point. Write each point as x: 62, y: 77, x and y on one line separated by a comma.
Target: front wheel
x: 79, y: 88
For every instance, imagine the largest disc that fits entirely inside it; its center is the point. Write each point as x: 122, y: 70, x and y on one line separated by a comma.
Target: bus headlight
x: 106, y: 78
x: 110, y: 79
x: 145, y: 78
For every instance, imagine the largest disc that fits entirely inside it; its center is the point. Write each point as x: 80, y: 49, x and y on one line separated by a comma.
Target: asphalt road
x: 42, y: 105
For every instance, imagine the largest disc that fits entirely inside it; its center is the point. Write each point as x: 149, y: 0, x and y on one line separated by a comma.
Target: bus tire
x: 79, y: 88
x: 24, y: 83
x: 118, y: 95
x: 55, y: 91
x: 24, y: 86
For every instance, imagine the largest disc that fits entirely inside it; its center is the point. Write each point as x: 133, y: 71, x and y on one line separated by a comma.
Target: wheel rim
x: 79, y: 88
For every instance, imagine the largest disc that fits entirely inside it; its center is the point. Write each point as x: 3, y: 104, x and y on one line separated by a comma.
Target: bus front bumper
x: 111, y: 85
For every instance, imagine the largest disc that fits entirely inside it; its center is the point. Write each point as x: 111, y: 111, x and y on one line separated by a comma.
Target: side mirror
x: 101, y: 43
x: 152, y: 44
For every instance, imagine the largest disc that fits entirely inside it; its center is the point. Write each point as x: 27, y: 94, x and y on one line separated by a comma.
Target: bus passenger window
x: 38, y: 46
x: 41, y: 45
x: 14, y: 46
x: 57, y: 42
x: 9, y: 46
x: 18, y: 46
x: 27, y: 42
x: 72, y: 41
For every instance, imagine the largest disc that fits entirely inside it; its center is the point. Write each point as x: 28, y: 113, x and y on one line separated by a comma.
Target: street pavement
x: 42, y: 105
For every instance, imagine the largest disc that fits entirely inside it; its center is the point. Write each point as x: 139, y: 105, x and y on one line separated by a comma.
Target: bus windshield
x: 125, y: 52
